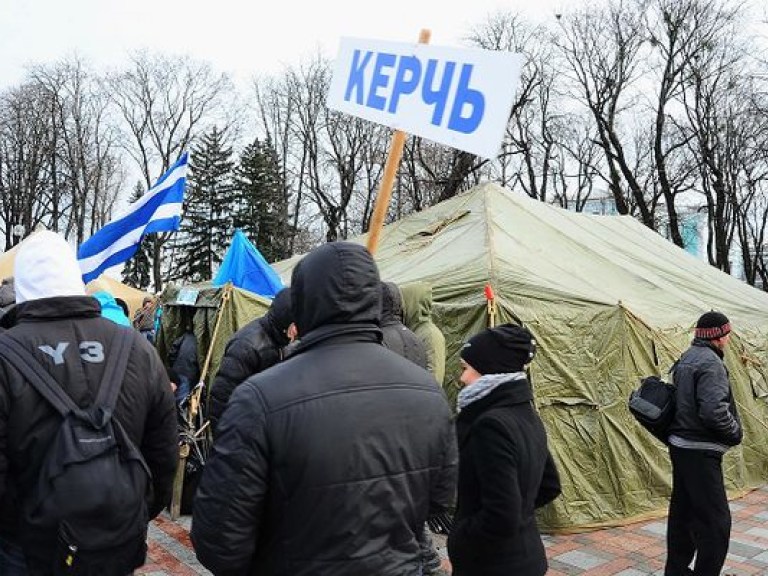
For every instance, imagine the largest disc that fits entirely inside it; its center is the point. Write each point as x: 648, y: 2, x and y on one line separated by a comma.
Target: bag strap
x: 114, y: 370
x: 33, y: 370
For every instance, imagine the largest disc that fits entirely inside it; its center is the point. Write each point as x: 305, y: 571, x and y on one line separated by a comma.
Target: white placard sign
x: 461, y: 97
x: 187, y: 296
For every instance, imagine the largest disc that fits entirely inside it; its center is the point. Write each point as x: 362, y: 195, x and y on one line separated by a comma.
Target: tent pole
x: 194, y: 406
x: 194, y: 403
x: 390, y: 170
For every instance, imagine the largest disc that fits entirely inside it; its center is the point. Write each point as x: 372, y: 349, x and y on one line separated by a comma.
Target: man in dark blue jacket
x: 330, y: 462
x: 705, y: 425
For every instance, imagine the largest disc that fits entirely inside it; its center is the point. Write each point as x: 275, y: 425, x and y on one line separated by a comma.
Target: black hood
x: 391, y: 304
x: 336, y: 283
x: 280, y: 316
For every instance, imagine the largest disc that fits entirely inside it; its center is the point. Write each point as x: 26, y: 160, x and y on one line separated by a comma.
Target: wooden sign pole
x: 390, y: 170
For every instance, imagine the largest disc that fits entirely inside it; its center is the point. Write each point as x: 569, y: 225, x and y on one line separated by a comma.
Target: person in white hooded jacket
x: 63, y: 329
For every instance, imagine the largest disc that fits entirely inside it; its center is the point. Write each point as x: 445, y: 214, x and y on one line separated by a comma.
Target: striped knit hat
x: 712, y: 325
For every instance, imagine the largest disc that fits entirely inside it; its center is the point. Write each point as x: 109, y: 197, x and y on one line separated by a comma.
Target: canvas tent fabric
x: 608, y: 301
x: 240, y: 308
x: 246, y: 268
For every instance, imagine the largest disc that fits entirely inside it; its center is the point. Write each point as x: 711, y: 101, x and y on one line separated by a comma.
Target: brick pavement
x: 634, y: 550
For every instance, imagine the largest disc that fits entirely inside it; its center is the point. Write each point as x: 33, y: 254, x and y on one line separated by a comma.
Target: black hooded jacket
x: 397, y: 336
x: 77, y: 339
x: 505, y: 472
x: 331, y: 461
x: 250, y: 350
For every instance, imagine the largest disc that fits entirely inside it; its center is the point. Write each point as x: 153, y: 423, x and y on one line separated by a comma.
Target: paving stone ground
x: 634, y: 550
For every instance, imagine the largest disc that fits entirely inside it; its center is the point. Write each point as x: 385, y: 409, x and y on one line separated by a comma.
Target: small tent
x: 246, y: 268
x: 609, y: 301
x: 241, y: 292
x: 218, y: 312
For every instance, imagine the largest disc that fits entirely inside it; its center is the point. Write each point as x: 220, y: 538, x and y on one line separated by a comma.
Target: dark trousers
x: 699, y: 518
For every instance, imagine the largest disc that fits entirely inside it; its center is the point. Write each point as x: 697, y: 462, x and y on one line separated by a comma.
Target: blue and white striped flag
x: 158, y: 210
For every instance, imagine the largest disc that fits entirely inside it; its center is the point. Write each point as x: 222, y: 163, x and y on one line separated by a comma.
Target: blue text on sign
x: 393, y: 77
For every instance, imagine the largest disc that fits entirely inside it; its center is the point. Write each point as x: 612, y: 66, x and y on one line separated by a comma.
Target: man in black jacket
x: 705, y: 426
x: 252, y: 349
x: 396, y: 335
x: 182, y: 356
x: 330, y: 462
x: 63, y: 328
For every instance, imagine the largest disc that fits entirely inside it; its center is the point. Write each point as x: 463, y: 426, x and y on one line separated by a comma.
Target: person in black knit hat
x: 706, y: 424
x: 505, y: 468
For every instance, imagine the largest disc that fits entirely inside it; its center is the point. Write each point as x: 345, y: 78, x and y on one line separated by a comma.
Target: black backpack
x: 92, y: 489
x: 653, y: 405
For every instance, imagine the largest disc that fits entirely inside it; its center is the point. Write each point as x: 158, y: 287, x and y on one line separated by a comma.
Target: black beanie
x: 712, y: 325
x: 500, y: 350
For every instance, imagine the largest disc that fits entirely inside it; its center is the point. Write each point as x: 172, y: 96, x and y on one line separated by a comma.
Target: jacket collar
x: 507, y: 394
x: 347, y: 332
x: 707, y: 344
x: 54, y: 308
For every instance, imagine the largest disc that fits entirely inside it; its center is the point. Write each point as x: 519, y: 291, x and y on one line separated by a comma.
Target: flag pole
x: 390, y: 170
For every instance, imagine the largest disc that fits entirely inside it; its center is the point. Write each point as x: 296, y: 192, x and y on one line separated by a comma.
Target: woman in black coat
x: 505, y: 468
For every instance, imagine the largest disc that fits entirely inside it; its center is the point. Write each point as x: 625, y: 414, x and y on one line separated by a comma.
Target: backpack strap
x: 114, y: 370
x: 26, y: 363
x: 109, y: 387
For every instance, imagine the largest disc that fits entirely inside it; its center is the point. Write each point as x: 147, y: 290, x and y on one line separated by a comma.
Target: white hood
x: 46, y: 266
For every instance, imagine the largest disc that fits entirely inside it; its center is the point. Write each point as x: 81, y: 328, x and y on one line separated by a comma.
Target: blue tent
x: 246, y: 268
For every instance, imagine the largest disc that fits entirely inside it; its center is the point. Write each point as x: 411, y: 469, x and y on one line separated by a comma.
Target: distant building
x: 600, y: 202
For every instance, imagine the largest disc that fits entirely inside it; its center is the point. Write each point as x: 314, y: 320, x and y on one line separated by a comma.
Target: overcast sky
x: 244, y: 37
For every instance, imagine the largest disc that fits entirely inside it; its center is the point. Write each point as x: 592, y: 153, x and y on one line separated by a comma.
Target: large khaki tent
x: 608, y: 301
x: 132, y: 296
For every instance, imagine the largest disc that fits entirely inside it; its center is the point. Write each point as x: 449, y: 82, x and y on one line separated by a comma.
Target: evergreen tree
x: 206, y: 225
x: 138, y: 269
x: 261, y: 204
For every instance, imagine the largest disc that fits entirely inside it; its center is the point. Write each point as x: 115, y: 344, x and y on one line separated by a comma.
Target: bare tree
x: 332, y: 160
x: 679, y: 32
x: 164, y: 103
x: 602, y: 49
x: 24, y: 157
x: 84, y: 167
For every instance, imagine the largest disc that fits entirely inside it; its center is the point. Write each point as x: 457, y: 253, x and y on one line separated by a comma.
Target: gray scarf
x: 483, y: 386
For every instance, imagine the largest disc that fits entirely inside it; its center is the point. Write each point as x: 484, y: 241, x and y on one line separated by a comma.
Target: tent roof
x: 8, y: 258
x: 533, y: 250
x: 246, y: 268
